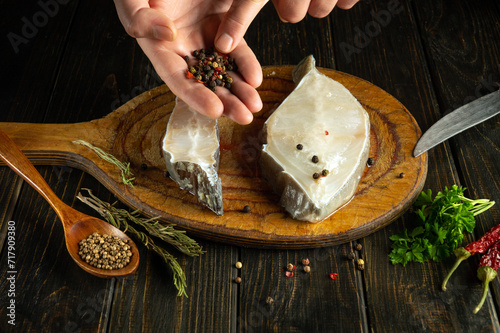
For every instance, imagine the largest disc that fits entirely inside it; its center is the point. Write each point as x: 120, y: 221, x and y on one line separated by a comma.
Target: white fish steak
x: 191, y: 152
x: 316, y: 145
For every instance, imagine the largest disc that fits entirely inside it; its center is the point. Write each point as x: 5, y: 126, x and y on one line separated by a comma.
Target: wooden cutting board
x: 133, y: 133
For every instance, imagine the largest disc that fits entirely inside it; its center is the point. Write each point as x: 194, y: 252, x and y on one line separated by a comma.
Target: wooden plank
x: 399, y: 299
x: 33, y: 42
x: 474, y: 71
x: 148, y: 301
x: 102, y: 68
x: 44, y: 298
x: 105, y: 73
x: 51, y: 291
x: 393, y: 58
x: 278, y: 43
x: 210, y: 306
x: 306, y: 302
x: 473, y: 67
x: 29, y: 75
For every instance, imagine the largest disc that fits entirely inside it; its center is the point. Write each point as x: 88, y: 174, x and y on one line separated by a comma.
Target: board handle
x: 53, y: 144
x: 49, y: 144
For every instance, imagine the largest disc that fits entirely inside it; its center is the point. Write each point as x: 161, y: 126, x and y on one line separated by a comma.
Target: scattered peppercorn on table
x: 71, y: 62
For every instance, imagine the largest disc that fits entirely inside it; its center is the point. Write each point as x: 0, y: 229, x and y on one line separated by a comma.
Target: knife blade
x: 464, y: 117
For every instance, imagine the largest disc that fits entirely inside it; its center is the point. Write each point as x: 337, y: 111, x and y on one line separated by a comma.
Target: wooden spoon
x: 77, y: 226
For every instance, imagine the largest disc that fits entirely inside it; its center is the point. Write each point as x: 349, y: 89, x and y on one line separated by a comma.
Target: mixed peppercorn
x: 211, y: 68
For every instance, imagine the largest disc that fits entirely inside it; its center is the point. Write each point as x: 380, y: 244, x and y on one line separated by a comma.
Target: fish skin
x: 199, y: 179
x: 301, y: 197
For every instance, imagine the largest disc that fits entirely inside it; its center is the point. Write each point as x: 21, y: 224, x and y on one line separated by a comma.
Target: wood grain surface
x: 133, y: 133
x: 432, y: 55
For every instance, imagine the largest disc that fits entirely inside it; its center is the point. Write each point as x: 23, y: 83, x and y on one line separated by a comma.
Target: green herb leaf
x: 126, y: 175
x: 120, y: 218
x: 417, y: 231
x: 440, y: 228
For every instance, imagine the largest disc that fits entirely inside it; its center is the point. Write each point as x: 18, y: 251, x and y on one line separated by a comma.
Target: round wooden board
x: 134, y: 132
x: 381, y: 196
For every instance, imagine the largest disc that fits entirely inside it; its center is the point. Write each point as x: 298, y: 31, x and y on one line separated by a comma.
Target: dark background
x: 73, y: 62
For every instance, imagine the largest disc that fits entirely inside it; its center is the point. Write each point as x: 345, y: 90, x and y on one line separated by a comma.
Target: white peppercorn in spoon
x: 77, y: 226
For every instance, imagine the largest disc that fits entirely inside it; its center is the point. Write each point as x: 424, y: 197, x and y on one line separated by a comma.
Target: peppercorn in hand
x: 210, y: 69
x: 167, y: 30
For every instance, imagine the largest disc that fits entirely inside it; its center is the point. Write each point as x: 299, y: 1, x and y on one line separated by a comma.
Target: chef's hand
x: 295, y: 10
x: 167, y: 30
x: 242, y: 12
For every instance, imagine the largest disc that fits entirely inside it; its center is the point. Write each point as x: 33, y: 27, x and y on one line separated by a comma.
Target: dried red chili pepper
x: 484, y: 243
x: 487, y: 271
x: 479, y: 246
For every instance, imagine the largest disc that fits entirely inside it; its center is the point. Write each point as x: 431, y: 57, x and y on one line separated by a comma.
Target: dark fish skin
x: 201, y: 181
x: 192, y: 178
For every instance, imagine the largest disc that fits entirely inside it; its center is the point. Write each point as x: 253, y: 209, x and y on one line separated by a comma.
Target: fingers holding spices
x: 139, y: 20
x: 219, y: 73
x: 201, y: 100
x: 217, y: 25
x: 235, y: 108
x: 248, y: 65
x: 242, y: 99
x: 171, y: 67
x: 247, y: 95
x: 238, y: 103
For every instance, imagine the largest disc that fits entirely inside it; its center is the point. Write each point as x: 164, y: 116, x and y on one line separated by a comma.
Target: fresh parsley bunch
x: 441, y: 225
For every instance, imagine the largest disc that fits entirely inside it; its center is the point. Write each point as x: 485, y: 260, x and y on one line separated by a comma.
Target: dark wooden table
x: 71, y: 61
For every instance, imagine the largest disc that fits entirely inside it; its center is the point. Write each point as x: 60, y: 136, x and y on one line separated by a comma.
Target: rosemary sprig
x: 126, y: 174
x: 119, y: 218
x: 165, y: 232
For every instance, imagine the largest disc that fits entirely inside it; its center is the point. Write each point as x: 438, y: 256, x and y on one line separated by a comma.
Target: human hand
x: 238, y: 18
x: 167, y: 30
x: 294, y: 11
